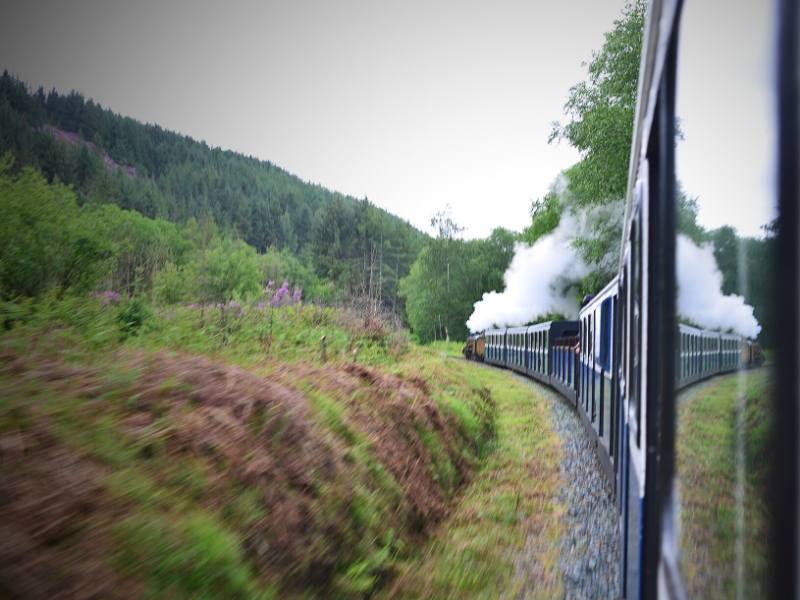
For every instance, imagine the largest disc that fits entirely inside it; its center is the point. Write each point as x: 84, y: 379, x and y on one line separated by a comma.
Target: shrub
x: 192, y: 557
x: 132, y: 315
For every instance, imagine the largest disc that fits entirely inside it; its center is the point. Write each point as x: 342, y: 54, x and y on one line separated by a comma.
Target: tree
x: 166, y: 175
x: 441, y: 250
x: 726, y: 253
x: 438, y: 309
x: 601, y: 111
x: 229, y: 269
x: 687, y: 217
x: 601, y: 114
x: 545, y: 217
x: 44, y: 241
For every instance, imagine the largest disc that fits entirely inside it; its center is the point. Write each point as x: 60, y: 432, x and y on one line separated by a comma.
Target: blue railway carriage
x: 495, y: 346
x: 517, y: 349
x: 703, y: 353
x: 541, y: 353
x: 598, y: 397
x: 565, y: 364
x: 730, y: 355
x: 690, y: 355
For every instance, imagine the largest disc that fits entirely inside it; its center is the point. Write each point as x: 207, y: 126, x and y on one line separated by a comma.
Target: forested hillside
x: 359, y: 249
x: 211, y: 433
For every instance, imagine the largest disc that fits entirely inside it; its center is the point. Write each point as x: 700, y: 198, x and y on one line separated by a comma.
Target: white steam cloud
x: 540, y: 280
x: 700, y: 296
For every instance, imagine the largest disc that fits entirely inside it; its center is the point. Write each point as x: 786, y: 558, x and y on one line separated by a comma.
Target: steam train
x: 581, y: 360
x: 622, y: 362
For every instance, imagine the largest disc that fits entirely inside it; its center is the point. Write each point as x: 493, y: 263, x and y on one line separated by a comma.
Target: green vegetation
x: 509, y: 509
x: 707, y: 446
x: 48, y: 243
x: 601, y: 111
x: 210, y: 434
x: 300, y: 474
x: 187, y: 556
x: 355, y: 248
x: 220, y: 437
x: 449, y: 276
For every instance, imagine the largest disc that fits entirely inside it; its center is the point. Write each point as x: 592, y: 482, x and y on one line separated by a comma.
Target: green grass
x: 707, y: 439
x: 289, y: 333
x: 190, y: 555
x: 246, y: 337
x: 511, y: 502
x: 184, y: 526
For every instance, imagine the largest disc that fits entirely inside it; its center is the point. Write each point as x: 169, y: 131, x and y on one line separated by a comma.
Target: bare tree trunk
x: 379, y: 298
x: 396, y: 282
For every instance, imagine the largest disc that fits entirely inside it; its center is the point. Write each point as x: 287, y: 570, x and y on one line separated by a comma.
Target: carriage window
x: 605, y: 333
x: 725, y: 250
x: 635, y: 322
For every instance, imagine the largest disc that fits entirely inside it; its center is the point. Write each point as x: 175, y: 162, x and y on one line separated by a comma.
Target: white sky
x: 725, y: 108
x: 413, y: 104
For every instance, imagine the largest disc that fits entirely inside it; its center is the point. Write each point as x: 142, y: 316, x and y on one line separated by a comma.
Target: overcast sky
x: 413, y: 104
x: 726, y: 111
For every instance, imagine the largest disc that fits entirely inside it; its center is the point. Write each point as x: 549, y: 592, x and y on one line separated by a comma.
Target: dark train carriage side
x: 495, y: 347
x: 516, y: 349
x: 564, y: 372
x: 598, y: 388
x: 702, y: 354
x: 647, y: 323
x: 542, y: 351
x: 699, y: 354
x: 728, y: 351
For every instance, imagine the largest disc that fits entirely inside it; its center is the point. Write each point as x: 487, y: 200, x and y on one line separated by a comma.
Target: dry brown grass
x: 241, y: 431
x: 55, y: 521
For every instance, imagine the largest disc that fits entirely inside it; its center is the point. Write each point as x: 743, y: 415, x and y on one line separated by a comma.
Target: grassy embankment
x: 707, y: 440
x: 226, y: 454
x: 503, y: 536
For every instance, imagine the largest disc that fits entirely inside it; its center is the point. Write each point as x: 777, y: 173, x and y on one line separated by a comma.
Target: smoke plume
x: 541, y: 279
x: 700, y: 296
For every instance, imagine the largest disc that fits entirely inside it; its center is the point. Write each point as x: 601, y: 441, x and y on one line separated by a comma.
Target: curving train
x: 622, y: 362
x: 582, y: 361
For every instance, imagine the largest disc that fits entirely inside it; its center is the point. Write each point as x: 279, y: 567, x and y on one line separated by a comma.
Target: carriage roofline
x: 684, y: 327
x: 610, y: 289
x: 527, y: 328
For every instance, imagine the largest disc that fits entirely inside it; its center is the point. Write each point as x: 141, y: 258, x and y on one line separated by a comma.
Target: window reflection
x: 725, y: 256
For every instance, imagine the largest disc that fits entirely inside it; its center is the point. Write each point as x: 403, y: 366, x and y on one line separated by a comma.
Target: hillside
x: 108, y: 158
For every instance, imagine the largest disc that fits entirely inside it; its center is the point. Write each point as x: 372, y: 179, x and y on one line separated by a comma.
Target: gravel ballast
x: 590, y: 544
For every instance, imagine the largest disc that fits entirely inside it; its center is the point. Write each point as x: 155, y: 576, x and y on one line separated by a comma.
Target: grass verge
x: 707, y: 478
x: 505, y: 532
x: 240, y: 458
